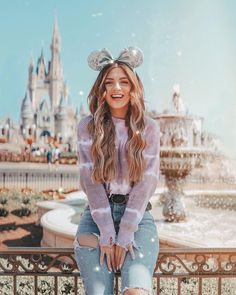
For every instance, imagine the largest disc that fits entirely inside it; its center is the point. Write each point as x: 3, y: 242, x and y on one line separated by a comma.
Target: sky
x: 192, y: 43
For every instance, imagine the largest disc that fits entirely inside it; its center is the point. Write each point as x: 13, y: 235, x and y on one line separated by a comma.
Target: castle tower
x: 55, y: 69
x: 61, y: 119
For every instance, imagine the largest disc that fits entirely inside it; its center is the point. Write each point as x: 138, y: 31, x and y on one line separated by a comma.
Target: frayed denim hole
x: 77, y: 245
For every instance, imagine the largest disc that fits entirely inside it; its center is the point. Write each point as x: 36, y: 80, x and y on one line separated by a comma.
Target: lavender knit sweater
x: 139, y: 193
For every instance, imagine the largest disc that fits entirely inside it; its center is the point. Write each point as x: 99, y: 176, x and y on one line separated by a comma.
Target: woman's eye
x: 124, y: 82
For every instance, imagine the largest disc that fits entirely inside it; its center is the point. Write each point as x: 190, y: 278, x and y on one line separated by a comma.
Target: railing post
x: 4, y: 180
x: 26, y: 179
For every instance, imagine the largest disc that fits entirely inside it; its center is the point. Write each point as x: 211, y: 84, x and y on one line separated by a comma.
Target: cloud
x: 97, y: 14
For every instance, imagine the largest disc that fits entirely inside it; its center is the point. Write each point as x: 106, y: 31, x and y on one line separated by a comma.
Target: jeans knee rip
x: 77, y: 245
x: 142, y: 290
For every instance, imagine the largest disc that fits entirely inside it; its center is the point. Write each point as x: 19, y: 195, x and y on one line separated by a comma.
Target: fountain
x: 181, y: 151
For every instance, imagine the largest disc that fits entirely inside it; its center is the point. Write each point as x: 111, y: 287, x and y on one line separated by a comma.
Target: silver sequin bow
x: 132, y: 56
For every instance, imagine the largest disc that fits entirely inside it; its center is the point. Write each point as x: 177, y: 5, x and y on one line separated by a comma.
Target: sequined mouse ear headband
x: 132, y: 56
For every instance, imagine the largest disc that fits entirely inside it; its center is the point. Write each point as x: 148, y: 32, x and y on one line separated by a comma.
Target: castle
x: 45, y: 110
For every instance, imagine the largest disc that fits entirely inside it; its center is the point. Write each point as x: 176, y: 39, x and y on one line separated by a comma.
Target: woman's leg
x: 137, y: 274
x: 97, y: 279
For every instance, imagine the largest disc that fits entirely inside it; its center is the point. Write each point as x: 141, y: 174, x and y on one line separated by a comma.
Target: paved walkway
x: 24, y: 234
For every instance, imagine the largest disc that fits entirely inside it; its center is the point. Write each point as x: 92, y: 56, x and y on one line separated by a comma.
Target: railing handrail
x: 51, y: 250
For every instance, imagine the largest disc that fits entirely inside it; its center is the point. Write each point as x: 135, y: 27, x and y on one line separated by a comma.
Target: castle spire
x: 56, y: 72
x: 41, y: 68
x: 56, y: 38
x: 31, y: 81
x: 42, y: 55
x: 31, y: 65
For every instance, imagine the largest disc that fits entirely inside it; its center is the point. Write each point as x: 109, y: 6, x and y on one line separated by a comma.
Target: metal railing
x: 39, y: 180
x: 178, y: 271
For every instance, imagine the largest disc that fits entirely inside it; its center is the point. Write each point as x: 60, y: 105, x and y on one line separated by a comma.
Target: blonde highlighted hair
x: 102, y: 128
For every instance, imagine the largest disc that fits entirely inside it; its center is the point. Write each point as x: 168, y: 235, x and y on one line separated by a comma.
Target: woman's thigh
x: 96, y: 279
x: 138, y: 273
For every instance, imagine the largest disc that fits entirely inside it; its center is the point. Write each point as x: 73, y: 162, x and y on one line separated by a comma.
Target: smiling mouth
x: 117, y: 96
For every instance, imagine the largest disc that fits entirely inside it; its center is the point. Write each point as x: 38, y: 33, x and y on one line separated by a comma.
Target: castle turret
x: 26, y: 116
x: 26, y: 109
x: 41, y: 68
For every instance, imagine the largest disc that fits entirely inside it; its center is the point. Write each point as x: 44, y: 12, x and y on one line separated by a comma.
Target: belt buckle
x: 118, y: 199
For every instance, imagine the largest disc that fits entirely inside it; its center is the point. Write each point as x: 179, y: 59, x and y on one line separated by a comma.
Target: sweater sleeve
x: 142, y: 190
x: 97, y: 197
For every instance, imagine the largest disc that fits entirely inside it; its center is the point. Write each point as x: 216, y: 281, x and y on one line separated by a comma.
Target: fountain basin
x: 58, y: 228
x: 60, y: 218
x: 203, y: 227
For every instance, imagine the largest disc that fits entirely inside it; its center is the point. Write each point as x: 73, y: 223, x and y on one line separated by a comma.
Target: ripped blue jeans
x: 137, y: 273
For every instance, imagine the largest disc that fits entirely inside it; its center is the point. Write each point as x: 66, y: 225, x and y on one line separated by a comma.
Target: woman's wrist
x: 124, y: 238
x: 106, y: 241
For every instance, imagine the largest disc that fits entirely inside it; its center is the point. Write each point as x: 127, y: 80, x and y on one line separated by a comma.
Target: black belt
x: 122, y: 199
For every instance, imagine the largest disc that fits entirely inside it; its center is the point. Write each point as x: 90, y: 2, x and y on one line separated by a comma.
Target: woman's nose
x: 117, y: 85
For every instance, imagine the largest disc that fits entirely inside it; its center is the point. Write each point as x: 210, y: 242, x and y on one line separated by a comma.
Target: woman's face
x: 118, y: 88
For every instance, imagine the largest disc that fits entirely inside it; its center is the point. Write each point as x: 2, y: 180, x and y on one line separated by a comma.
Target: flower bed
x: 21, y: 203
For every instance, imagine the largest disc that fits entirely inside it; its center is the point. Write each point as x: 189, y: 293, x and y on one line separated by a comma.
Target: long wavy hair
x: 102, y: 129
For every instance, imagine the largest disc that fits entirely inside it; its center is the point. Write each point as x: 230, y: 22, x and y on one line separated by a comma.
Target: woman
x: 118, y: 149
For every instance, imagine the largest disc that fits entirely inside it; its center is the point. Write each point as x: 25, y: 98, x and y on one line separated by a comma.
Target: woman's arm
x: 98, y: 200
x: 144, y: 189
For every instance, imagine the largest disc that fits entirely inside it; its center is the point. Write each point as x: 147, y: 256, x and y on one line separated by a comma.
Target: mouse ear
x: 132, y: 56
x: 97, y: 60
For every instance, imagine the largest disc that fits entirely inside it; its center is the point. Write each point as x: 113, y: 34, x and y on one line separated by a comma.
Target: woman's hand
x: 120, y: 253
x: 109, y: 251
